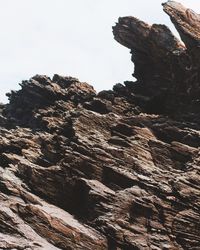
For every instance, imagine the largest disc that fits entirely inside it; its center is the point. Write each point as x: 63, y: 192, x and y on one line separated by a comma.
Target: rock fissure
x: 115, y: 170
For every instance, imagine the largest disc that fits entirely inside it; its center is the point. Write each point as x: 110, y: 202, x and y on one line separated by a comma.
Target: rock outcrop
x: 167, y: 71
x: 116, y: 170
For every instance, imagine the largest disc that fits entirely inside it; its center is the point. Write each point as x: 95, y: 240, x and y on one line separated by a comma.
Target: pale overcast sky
x: 70, y: 37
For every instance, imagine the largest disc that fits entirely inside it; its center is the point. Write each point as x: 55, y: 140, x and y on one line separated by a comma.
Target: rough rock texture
x: 167, y: 71
x: 117, y: 170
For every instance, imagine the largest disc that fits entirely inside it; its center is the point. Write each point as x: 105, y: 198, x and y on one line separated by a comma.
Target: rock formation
x: 117, y: 170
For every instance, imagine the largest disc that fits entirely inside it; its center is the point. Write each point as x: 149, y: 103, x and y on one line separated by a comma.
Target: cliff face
x: 115, y: 170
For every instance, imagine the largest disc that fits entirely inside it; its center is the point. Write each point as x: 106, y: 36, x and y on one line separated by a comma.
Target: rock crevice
x: 115, y: 170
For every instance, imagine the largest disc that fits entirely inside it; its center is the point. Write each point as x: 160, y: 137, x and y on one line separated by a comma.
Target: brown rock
x: 119, y: 170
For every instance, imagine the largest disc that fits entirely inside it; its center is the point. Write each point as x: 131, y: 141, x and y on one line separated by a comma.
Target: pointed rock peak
x: 166, y: 69
x: 186, y: 21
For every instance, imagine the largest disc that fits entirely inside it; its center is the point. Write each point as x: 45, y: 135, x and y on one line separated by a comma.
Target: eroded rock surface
x: 167, y: 71
x: 116, y: 170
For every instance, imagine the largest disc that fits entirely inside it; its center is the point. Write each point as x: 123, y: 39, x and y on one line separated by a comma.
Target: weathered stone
x: 167, y: 72
x: 119, y: 170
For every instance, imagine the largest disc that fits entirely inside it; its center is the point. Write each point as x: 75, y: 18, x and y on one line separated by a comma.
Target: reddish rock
x: 117, y: 170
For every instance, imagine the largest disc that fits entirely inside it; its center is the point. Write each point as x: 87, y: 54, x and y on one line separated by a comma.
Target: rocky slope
x: 117, y: 170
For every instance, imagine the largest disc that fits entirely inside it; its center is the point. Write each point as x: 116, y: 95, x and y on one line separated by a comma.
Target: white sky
x: 69, y: 37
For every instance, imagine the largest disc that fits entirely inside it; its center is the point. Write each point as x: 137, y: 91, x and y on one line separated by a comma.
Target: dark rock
x: 63, y: 81
x: 106, y: 94
x: 167, y: 72
x: 99, y: 106
x: 119, y: 170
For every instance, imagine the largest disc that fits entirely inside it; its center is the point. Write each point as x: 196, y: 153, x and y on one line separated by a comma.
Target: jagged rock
x: 167, y: 72
x: 117, y: 170
x: 186, y: 22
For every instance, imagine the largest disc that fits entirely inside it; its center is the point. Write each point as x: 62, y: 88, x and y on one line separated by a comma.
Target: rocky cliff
x: 116, y: 170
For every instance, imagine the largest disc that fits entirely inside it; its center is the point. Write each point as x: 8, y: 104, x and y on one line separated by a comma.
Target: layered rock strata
x: 116, y: 170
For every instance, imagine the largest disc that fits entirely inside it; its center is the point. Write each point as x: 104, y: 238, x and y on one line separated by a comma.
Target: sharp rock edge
x: 116, y: 170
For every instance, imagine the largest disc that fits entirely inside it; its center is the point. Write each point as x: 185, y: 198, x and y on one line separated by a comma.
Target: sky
x: 71, y: 38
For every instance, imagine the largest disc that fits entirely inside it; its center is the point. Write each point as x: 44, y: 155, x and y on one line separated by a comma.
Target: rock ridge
x: 114, y: 170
